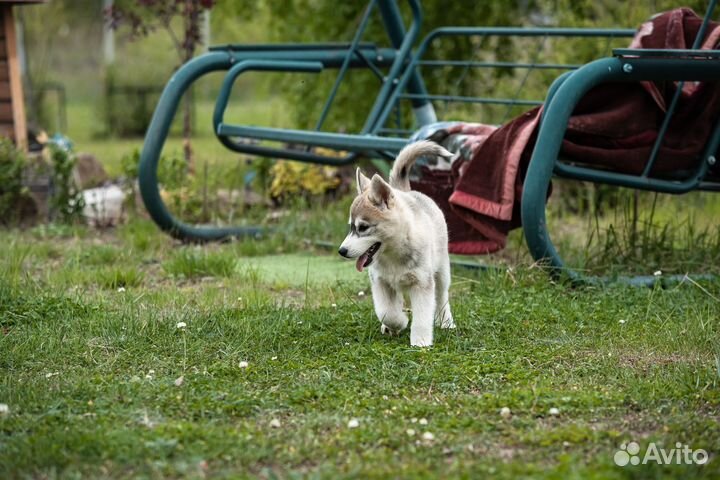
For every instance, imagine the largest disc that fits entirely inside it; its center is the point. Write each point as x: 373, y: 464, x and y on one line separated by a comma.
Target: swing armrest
x: 255, y: 65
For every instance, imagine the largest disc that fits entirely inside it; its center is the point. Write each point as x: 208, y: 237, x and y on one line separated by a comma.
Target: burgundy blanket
x: 614, y: 126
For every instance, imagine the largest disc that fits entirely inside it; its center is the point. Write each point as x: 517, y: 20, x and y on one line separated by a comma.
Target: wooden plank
x: 3, y: 49
x: 6, y: 112
x: 4, y: 71
x: 7, y: 130
x: 2, y: 30
x: 4, y: 90
x: 16, y: 88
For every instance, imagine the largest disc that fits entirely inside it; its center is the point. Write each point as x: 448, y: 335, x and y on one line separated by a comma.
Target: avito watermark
x: 629, y: 453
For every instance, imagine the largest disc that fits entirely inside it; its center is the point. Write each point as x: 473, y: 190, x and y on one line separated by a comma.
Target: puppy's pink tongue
x: 361, y: 262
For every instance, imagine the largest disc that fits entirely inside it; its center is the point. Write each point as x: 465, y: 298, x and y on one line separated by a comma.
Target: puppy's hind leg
x: 423, y: 310
x: 443, y: 316
x: 388, y: 307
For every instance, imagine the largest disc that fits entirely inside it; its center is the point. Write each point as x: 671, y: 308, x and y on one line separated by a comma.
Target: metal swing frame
x: 401, y: 81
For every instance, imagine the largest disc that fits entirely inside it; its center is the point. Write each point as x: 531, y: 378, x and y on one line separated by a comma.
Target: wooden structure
x: 13, y: 122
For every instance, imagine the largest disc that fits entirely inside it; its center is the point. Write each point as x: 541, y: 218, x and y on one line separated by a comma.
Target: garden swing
x: 398, y: 67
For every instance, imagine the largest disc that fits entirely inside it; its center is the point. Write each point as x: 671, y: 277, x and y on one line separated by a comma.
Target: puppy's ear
x: 362, y: 181
x: 381, y: 193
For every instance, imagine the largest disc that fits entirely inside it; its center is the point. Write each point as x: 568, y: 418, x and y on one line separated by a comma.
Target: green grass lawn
x: 281, y: 372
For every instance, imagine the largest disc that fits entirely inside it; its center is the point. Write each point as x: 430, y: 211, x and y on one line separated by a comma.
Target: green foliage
x: 333, y: 21
x: 130, y: 164
x: 678, y: 243
x: 172, y: 171
x: 67, y: 202
x: 196, y: 263
x: 127, y: 107
x: 12, y: 192
x: 115, y: 277
x: 302, y: 180
x: 179, y: 189
x: 98, y: 255
x: 337, y: 21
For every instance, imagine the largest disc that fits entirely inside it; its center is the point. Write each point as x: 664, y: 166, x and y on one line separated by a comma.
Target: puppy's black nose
x: 343, y: 251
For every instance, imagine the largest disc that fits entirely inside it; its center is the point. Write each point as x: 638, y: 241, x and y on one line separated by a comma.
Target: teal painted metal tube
x: 553, y: 90
x: 259, y: 66
x: 422, y: 108
x: 154, y: 140
x: 526, y: 32
x: 560, y: 105
x: 518, y: 65
x: 357, y: 59
x: 665, y: 53
x: 676, y: 96
x: 461, y: 99
x: 417, y: 61
x: 215, y: 60
x: 345, y: 65
x: 376, y: 117
x: 340, y: 141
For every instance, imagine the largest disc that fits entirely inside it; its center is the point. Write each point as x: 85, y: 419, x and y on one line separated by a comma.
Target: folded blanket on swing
x: 613, y: 127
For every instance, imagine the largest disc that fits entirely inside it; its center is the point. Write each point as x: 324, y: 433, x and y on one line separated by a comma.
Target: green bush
x: 66, y: 201
x: 12, y: 192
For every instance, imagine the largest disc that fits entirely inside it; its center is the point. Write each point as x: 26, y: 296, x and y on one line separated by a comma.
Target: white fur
x: 413, y: 256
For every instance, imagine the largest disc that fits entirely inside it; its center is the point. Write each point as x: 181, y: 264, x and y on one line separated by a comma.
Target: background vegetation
x: 127, y: 354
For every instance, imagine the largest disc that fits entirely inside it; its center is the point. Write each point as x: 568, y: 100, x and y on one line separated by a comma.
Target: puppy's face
x: 371, y: 219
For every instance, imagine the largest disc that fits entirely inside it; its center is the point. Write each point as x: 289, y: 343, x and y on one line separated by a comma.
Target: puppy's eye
x: 363, y: 228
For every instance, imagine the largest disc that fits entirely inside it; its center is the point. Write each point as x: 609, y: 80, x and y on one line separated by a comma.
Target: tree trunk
x: 192, y: 19
x: 187, y: 132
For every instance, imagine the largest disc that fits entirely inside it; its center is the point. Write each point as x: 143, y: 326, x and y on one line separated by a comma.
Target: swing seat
x: 399, y: 68
x: 691, y: 111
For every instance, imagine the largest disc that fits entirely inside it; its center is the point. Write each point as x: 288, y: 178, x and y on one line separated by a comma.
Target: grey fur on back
x: 399, y: 175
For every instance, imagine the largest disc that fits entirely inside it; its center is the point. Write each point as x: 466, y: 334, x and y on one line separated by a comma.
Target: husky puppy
x: 401, y: 237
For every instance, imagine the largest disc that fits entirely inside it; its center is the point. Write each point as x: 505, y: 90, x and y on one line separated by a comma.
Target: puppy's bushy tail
x: 406, y: 158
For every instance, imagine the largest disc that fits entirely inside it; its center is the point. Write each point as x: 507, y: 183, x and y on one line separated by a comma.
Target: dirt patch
x: 644, y: 361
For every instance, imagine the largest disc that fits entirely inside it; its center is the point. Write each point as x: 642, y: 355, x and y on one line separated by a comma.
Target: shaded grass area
x: 100, y: 381
x: 84, y: 129
x: 671, y: 234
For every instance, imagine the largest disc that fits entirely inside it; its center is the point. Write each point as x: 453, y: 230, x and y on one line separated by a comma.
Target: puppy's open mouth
x: 366, y: 258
